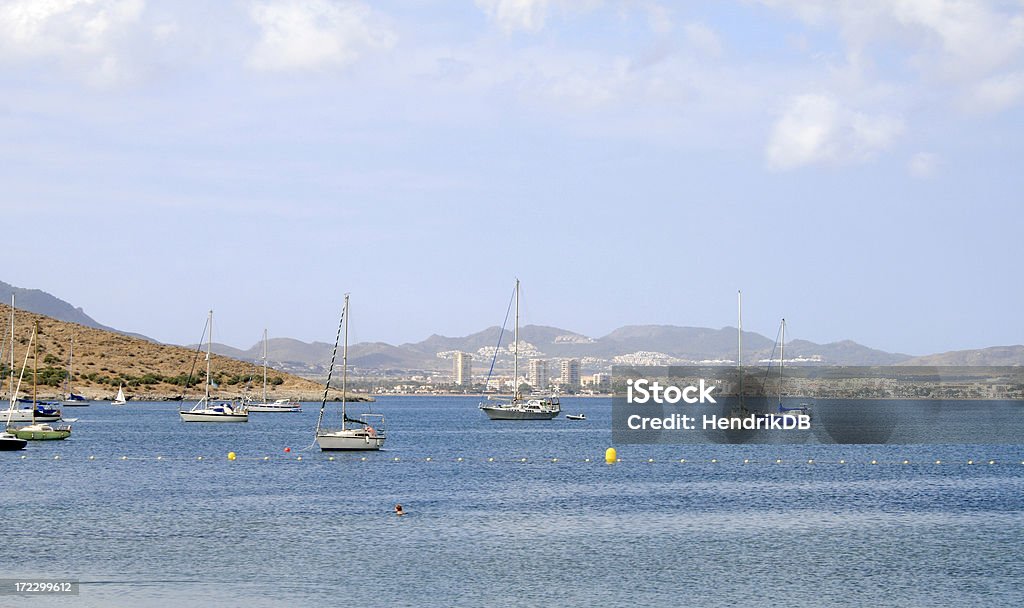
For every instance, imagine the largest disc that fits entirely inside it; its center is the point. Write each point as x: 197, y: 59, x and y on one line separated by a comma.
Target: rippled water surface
x: 131, y: 511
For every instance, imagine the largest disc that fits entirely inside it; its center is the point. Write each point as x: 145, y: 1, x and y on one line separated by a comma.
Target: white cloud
x: 81, y: 34
x: 997, y: 92
x: 512, y: 15
x: 703, y: 39
x: 816, y: 129
x: 923, y: 165
x: 310, y: 34
x: 954, y: 42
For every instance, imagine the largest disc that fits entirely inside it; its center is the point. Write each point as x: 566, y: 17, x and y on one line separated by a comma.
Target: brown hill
x: 104, y: 360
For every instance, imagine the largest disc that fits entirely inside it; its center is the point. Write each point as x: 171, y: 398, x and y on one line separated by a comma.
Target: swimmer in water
x: 398, y: 510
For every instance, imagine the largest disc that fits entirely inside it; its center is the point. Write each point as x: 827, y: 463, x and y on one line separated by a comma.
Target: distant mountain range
x: 632, y: 344
x: 42, y: 303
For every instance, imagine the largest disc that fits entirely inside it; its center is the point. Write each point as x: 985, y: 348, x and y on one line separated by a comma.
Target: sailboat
x: 783, y: 411
x: 363, y: 435
x: 9, y: 442
x: 120, y: 398
x: 71, y: 399
x: 31, y: 411
x: 37, y: 430
x: 278, y: 405
x: 518, y: 407
x: 203, y: 410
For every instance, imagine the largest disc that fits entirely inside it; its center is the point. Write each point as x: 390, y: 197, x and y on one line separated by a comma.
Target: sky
x: 853, y: 166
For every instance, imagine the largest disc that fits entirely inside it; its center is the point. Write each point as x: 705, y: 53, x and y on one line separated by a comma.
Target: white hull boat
x: 367, y: 432
x: 349, y: 439
x: 217, y: 412
x: 530, y: 409
x: 207, y: 410
x: 25, y: 415
x: 281, y: 405
x: 518, y: 407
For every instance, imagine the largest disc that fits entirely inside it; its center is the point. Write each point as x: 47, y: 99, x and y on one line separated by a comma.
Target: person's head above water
x: 398, y: 510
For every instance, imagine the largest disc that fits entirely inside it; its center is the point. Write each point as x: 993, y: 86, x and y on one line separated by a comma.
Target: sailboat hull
x: 25, y: 415
x: 349, y: 440
x: 274, y: 407
x: 512, y: 413
x: 40, y: 432
x: 200, y: 416
x: 10, y: 443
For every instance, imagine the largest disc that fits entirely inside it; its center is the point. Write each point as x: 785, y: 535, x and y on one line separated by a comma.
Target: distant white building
x: 463, y: 369
x: 538, y: 374
x: 570, y: 376
x: 601, y: 381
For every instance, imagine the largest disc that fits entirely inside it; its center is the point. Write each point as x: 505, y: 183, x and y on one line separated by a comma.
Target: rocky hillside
x: 104, y: 360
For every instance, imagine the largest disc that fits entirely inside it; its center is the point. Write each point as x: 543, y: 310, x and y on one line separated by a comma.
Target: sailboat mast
x: 209, y: 347
x: 264, y: 365
x: 739, y: 342
x: 782, y: 358
x: 71, y: 365
x: 739, y: 331
x: 330, y: 368
x: 344, y: 369
x: 515, y: 351
x: 13, y: 399
x: 35, y: 367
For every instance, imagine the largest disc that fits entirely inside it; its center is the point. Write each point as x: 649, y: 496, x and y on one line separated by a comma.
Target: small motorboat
x: 575, y: 417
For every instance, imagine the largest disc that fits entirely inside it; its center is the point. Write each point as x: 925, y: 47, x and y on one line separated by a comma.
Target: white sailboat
x: 220, y: 411
x: 38, y: 429
x: 70, y: 398
x: 120, y: 398
x: 366, y: 432
x: 782, y: 411
x: 30, y: 411
x: 278, y: 405
x: 518, y: 407
x: 9, y: 442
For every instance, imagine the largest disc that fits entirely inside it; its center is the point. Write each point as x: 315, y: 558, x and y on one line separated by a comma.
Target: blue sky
x: 852, y: 166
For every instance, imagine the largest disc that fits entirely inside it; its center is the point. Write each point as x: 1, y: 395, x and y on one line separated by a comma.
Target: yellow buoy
x: 610, y: 456
x: 231, y: 456
x: 330, y: 458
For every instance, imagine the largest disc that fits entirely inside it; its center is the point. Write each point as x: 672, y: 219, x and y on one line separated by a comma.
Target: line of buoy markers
x: 610, y: 457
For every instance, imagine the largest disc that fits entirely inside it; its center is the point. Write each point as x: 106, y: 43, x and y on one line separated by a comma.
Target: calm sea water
x: 144, y: 522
